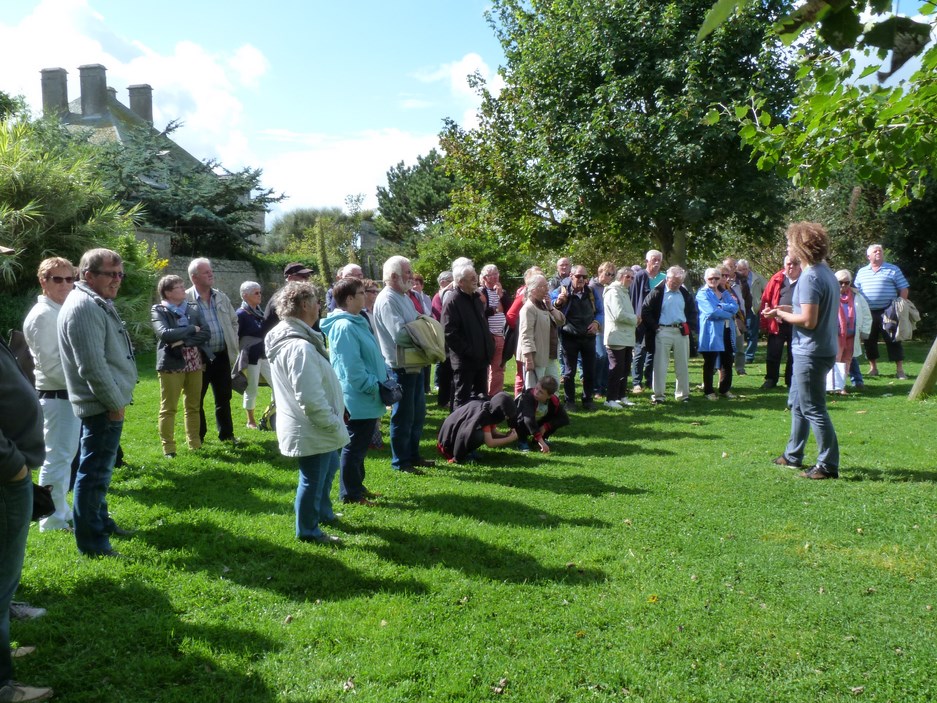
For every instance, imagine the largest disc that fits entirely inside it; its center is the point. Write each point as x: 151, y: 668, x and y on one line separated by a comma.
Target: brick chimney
x: 141, y: 101
x: 93, y: 89
x: 54, y: 91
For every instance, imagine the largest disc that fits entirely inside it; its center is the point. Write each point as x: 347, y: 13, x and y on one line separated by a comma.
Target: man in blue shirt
x: 880, y: 283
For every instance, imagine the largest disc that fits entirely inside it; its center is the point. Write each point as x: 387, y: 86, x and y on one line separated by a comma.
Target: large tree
x: 599, y: 129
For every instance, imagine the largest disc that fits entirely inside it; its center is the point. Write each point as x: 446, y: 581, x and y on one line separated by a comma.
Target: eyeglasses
x: 120, y: 275
x: 61, y: 279
x: 844, y: 283
x: 714, y: 278
x: 580, y: 276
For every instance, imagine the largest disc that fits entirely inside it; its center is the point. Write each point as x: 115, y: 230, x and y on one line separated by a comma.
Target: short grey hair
x: 290, y: 298
x: 195, y: 263
x: 653, y: 252
x: 444, y: 278
x: 620, y: 273
x: 394, y: 265
x: 461, y: 272
x: 534, y: 281
x: 488, y: 269
x: 873, y: 247
x: 93, y: 259
x: 743, y: 263
x: 677, y: 272
x: 712, y: 271
x: 844, y: 275
x: 461, y: 261
x: 249, y: 287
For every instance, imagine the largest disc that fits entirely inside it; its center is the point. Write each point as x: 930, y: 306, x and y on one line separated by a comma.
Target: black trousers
x: 895, y: 350
x: 468, y: 383
x: 218, y: 376
x: 574, y: 348
x: 775, y: 349
x: 619, y: 365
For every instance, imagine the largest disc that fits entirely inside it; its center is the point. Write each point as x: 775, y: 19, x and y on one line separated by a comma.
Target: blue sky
x: 324, y: 96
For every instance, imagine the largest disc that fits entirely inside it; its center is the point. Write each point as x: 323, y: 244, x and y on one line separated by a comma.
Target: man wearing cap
x: 100, y: 375
x: 21, y: 449
x: 293, y: 271
x: 221, y: 320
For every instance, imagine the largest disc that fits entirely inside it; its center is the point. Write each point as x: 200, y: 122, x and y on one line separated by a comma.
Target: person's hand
x: 769, y: 313
x: 544, y: 447
x: 561, y: 298
x: 529, y: 360
x: 115, y: 415
x: 512, y: 435
x: 593, y: 328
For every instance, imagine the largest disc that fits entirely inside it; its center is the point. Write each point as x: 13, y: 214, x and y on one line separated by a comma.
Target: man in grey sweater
x: 100, y: 372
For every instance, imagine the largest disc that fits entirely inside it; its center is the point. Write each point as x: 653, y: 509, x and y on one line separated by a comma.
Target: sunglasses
x: 715, y: 278
x: 61, y: 279
x: 580, y: 276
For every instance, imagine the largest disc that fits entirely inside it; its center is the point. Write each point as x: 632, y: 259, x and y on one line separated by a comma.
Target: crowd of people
x: 333, y: 376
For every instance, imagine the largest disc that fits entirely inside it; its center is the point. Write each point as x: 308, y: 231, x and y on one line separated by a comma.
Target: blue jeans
x: 642, y: 366
x: 100, y: 438
x: 600, y: 377
x: 855, y: 373
x: 751, y: 320
x: 16, y: 506
x: 406, y: 420
x: 313, y: 503
x: 351, y: 480
x: 807, y: 399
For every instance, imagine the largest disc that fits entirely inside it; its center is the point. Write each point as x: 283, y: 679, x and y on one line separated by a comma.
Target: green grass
x: 656, y: 555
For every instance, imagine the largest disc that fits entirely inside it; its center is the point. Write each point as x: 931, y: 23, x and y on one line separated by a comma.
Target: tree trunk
x: 924, y: 384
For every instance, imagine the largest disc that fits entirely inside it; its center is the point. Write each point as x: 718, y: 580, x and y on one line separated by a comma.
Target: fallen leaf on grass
x: 383, y: 623
x: 288, y: 619
x: 861, y: 412
x: 856, y: 690
x: 627, y: 521
x: 499, y: 689
x: 580, y: 634
x: 570, y: 565
x: 859, y: 531
x: 349, y: 685
x: 653, y: 598
x: 725, y: 455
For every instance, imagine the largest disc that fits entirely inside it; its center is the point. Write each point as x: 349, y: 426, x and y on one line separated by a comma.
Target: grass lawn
x: 656, y: 555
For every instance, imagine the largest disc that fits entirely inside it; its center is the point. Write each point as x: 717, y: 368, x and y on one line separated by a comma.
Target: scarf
x: 847, y: 314
x: 256, y: 312
x: 179, y: 311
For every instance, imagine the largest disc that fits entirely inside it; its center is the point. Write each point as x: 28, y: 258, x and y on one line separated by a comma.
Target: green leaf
x: 711, y: 117
x: 841, y: 29
x: 740, y: 111
x: 717, y: 14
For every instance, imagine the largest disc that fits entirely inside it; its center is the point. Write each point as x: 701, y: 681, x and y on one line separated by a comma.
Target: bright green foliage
x: 656, y: 555
x: 599, y: 129
x: 414, y: 199
x: 210, y: 211
x: 839, y: 117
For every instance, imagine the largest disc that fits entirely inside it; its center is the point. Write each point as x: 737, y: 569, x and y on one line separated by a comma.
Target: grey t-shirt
x: 817, y: 286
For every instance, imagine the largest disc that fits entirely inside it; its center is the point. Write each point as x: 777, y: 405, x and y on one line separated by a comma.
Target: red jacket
x: 769, y: 299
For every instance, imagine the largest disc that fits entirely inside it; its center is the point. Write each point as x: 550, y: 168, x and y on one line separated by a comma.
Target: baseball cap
x: 296, y: 269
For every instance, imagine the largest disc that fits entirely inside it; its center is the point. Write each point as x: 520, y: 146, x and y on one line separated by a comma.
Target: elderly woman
x: 357, y: 361
x: 814, y: 315
x: 538, y: 325
x: 619, y: 336
x: 512, y: 316
x: 717, y: 309
x: 855, y: 320
x: 251, y: 339
x: 180, y: 360
x: 310, y: 409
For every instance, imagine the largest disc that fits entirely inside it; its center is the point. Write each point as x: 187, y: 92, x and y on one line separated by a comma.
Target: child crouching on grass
x: 475, y: 424
x: 540, y: 399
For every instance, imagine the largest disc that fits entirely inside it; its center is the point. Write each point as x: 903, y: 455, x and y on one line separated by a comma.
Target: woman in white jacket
x: 310, y: 408
x: 620, y: 324
x: 537, y: 341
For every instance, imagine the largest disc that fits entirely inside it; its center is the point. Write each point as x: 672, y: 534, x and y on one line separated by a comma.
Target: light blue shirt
x: 673, y: 308
x: 882, y: 286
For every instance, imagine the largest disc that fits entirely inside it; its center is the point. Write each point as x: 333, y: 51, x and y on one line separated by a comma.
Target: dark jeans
x: 709, y: 370
x: 218, y: 376
x: 642, y: 366
x: 351, y: 479
x: 895, y: 349
x: 602, y: 367
x: 444, y: 383
x: 100, y: 438
x: 574, y: 347
x: 16, y: 506
x: 752, y: 322
x: 776, y: 344
x: 468, y: 383
x: 619, y: 364
x: 406, y: 420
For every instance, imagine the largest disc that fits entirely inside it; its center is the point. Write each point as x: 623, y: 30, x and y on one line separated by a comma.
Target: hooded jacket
x: 310, y: 407
x: 357, y: 361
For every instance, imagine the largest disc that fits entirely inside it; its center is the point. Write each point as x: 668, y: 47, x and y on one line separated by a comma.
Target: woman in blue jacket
x: 359, y: 365
x: 717, y: 308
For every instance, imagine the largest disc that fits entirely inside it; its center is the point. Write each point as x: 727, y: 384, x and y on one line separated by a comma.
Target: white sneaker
x: 24, y: 611
x: 712, y: 396
x: 612, y: 404
x: 625, y: 403
x: 730, y: 395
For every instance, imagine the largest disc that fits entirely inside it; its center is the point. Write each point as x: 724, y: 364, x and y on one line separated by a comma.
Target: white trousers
x: 61, y: 430
x: 669, y: 339
x: 253, y: 373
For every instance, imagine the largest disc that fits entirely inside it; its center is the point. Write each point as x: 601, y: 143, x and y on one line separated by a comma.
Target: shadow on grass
x: 494, y: 511
x: 861, y: 473
x: 121, y: 641
x: 304, y: 572
x: 471, y: 556
x: 217, y: 488
x: 572, y: 484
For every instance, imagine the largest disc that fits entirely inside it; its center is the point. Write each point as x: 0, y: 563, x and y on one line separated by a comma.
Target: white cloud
x: 455, y: 75
x: 334, y: 167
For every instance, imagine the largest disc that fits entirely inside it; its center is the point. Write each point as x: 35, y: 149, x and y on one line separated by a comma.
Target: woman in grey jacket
x: 180, y: 361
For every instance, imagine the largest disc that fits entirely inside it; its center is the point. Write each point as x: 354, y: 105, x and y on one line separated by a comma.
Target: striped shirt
x: 882, y: 286
x: 210, y: 315
x: 496, y: 321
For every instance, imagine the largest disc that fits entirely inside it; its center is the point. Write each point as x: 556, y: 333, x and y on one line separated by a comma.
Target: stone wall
x: 229, y: 275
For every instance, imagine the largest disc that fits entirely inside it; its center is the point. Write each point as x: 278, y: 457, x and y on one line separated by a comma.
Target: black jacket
x: 169, y: 333
x: 21, y: 439
x: 467, y: 334
x: 461, y: 433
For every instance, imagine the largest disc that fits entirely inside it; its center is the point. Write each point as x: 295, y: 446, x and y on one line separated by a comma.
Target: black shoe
x: 768, y: 385
x: 426, y: 463
x: 412, y: 470
x: 121, y: 532
x: 818, y: 474
x: 107, y: 554
x: 169, y: 455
